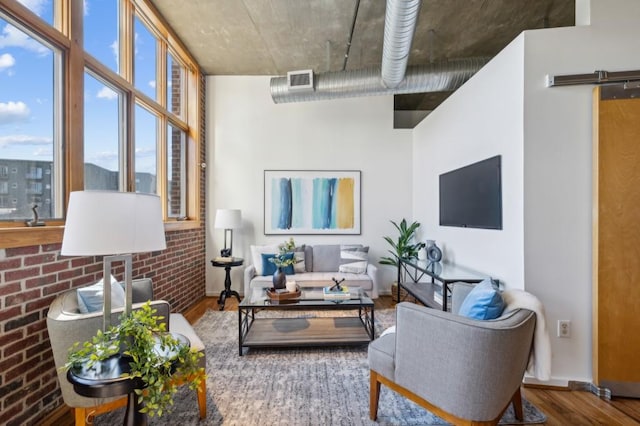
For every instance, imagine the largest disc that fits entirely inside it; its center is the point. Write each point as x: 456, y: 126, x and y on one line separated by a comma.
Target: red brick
x: 37, y: 326
x: 9, y: 288
x: 21, y: 321
x: 39, y: 259
x: 52, y: 247
x: 93, y: 269
x: 39, y: 304
x: 14, y: 360
x: 7, y: 338
x: 20, y: 345
x: 55, y: 288
x: 13, y: 263
x: 81, y: 261
x: 37, y: 396
x: 42, y: 368
x: 13, y: 312
x: 68, y: 274
x: 21, y: 274
x: 21, y: 251
x: 7, y: 413
x: 40, y: 281
x: 23, y: 297
x: 55, y: 267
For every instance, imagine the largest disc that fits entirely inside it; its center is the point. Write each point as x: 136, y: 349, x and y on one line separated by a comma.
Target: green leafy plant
x: 157, y: 358
x: 281, y: 260
x: 403, y: 247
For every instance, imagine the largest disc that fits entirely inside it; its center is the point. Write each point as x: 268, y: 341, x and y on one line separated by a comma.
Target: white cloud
x: 36, y: 6
x: 145, y: 152
x: 12, y: 112
x: 107, y: 93
x: 43, y: 152
x: 152, y: 84
x: 85, y: 7
x: 13, y: 37
x: 105, y: 155
x: 24, y: 140
x: 6, y: 61
x: 114, y: 48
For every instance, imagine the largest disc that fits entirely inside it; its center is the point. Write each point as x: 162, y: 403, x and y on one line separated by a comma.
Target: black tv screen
x: 471, y: 196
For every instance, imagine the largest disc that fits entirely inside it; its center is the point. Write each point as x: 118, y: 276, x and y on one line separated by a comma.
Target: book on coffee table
x: 331, y: 293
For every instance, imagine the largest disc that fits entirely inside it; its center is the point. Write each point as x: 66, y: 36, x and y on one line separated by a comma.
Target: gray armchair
x: 66, y: 325
x: 465, y: 371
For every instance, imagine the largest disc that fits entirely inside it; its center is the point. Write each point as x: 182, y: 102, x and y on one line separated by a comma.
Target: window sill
x: 25, y: 236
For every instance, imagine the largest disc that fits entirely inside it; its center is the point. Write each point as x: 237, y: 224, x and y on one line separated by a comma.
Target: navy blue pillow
x: 269, y: 268
x: 484, y: 302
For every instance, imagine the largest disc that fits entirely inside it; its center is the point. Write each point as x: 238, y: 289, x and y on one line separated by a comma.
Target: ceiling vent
x: 300, y: 80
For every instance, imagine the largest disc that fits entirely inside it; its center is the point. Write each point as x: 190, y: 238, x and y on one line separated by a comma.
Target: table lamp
x: 227, y: 219
x: 114, y: 225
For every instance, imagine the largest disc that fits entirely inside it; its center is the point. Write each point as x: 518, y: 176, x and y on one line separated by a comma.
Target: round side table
x: 227, y: 292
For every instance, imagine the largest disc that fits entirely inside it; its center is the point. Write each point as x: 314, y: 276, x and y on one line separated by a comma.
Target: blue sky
x: 26, y: 96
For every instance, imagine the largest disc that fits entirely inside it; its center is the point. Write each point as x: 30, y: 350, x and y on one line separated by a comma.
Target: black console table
x: 439, y: 274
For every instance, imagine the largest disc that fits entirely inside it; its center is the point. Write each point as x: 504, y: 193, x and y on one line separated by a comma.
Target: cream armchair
x: 66, y: 325
x: 465, y: 371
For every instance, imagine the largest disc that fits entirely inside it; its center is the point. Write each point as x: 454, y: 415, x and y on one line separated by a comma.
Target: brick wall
x: 31, y: 277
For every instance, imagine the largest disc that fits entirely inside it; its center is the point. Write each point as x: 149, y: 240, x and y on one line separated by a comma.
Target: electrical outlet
x: 564, y: 328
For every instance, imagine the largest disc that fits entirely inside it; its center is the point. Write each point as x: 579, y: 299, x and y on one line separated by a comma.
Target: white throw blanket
x: 539, y: 364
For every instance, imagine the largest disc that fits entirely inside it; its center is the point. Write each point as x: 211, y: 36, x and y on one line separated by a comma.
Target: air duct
x: 400, y: 22
x: 436, y: 77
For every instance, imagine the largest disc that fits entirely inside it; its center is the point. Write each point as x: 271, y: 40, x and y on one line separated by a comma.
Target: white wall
x: 558, y: 170
x: 548, y: 201
x: 480, y: 120
x: 248, y: 133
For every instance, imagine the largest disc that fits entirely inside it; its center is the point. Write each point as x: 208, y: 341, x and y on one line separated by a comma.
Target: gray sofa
x: 462, y: 369
x: 321, y: 264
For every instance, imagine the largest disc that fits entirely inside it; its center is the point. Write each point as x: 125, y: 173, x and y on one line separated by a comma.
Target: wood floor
x: 562, y: 407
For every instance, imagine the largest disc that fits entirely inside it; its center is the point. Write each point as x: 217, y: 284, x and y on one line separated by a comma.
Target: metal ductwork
x: 437, y: 77
x: 400, y: 22
x: 393, y: 77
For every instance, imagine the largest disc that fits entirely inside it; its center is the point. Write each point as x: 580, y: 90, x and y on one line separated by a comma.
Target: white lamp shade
x: 110, y: 222
x: 228, y: 219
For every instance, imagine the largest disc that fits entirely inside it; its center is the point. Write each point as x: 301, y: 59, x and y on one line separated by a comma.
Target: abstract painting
x: 311, y: 202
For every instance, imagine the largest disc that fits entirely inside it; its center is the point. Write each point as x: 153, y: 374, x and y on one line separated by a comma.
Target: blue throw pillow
x: 269, y: 268
x: 483, y: 302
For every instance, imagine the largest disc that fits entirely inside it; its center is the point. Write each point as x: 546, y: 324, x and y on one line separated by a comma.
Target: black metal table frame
x: 247, y: 315
x: 415, y: 272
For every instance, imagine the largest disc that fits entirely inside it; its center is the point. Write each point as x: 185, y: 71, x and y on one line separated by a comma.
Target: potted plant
x: 155, y: 357
x: 285, y: 257
x: 403, y: 247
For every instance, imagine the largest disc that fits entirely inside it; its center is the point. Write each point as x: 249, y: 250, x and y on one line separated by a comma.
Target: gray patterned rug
x: 307, y: 386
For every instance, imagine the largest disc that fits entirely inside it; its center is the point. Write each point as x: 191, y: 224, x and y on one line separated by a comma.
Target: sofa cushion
x: 354, y: 259
x: 300, y: 265
x: 256, y: 255
x: 484, y: 302
x: 326, y: 258
x: 269, y: 268
x: 91, y: 298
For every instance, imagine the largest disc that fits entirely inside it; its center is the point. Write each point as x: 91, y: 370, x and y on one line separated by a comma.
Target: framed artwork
x: 312, y: 202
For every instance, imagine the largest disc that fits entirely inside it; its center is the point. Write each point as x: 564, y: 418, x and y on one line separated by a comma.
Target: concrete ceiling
x: 271, y: 37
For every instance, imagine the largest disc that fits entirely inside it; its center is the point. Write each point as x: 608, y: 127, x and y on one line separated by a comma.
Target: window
x: 136, y: 92
x: 29, y: 75
x: 4, y: 187
x: 145, y: 151
x: 145, y: 78
x: 176, y: 172
x: 101, y: 31
x: 103, y: 117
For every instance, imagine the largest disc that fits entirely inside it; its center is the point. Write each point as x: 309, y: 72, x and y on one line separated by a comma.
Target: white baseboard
x: 529, y: 380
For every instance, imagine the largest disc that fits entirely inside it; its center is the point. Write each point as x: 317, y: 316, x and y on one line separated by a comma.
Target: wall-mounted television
x: 471, y: 196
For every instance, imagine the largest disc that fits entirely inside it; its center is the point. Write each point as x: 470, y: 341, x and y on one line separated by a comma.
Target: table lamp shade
x: 111, y: 222
x: 228, y: 219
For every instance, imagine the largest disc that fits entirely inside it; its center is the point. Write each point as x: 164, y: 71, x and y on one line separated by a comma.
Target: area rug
x: 305, y: 386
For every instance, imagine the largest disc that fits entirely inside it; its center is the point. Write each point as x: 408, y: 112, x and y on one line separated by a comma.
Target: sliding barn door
x: 616, y: 240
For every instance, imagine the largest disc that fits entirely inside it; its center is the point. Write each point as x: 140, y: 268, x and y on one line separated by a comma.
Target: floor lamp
x: 114, y: 225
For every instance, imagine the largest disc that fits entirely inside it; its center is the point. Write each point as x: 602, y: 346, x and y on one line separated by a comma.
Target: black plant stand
x: 227, y: 292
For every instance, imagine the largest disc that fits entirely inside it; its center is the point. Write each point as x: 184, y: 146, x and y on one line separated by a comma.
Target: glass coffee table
x: 259, y: 326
